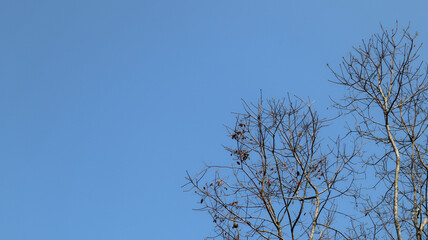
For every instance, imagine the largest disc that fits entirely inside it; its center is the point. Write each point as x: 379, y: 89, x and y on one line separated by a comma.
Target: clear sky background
x: 105, y: 104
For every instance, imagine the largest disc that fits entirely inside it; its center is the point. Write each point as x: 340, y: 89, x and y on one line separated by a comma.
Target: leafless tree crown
x: 386, y: 93
x: 282, y: 183
x: 288, y: 179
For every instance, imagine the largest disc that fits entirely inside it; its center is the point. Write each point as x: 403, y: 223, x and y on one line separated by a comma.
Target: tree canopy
x: 288, y: 178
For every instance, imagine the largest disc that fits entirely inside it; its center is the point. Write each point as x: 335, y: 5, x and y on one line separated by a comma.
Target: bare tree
x: 289, y: 180
x: 386, y: 93
x: 283, y: 180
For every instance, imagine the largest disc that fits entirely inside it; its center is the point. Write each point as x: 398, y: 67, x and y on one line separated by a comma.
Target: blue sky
x: 105, y: 104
